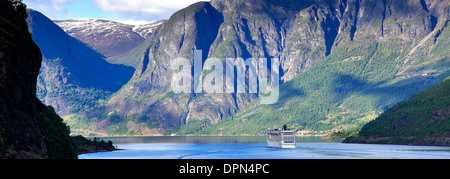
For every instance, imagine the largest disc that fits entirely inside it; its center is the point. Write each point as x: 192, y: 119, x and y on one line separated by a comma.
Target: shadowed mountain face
x: 73, y: 77
x: 340, y: 62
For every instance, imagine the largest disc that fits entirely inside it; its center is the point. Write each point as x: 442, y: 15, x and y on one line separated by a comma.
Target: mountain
x: 370, y: 67
x: 423, y: 119
x: 73, y: 76
x: 108, y: 37
x: 133, y: 57
x: 342, y: 63
x: 392, y: 51
x: 146, y: 30
x: 28, y: 129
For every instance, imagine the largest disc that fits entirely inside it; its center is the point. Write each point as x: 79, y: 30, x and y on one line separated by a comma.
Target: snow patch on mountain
x: 92, y: 26
x: 107, y: 37
x: 145, y: 30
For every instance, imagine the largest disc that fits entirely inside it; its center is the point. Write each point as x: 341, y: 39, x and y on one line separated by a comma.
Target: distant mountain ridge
x: 108, y: 37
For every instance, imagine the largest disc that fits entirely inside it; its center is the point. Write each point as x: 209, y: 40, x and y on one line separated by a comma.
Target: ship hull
x: 277, y: 144
x: 288, y: 146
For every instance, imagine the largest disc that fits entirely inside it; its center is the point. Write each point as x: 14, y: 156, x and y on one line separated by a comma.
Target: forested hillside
x: 423, y: 119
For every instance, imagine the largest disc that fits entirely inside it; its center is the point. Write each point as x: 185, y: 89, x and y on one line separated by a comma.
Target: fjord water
x: 255, y: 147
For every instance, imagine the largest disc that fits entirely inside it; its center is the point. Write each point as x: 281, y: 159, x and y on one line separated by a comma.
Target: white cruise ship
x: 283, y: 138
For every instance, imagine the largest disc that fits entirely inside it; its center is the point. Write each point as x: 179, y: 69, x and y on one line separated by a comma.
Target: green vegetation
x: 422, y: 119
x: 13, y: 18
x: 68, y: 98
x: 149, y: 123
x: 57, y: 132
x: 342, y: 134
x: 119, y: 129
x: 193, y: 127
x: 20, y: 8
x: 64, y: 146
x: 83, y: 145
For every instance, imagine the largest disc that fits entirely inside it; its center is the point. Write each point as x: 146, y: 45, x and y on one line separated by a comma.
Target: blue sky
x: 132, y: 11
x: 85, y: 9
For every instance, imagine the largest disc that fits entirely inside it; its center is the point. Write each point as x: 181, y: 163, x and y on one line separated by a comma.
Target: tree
x: 19, y: 7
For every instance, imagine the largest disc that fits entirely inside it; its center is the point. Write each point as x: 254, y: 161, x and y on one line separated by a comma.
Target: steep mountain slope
x: 341, y: 63
x: 73, y: 77
x: 422, y: 119
x: 134, y: 56
x: 108, y: 37
x: 28, y: 129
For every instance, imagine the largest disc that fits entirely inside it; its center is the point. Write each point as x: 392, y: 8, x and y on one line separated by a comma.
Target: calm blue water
x: 256, y: 148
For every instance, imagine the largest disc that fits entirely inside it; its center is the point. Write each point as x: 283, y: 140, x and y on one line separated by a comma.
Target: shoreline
x: 98, y: 151
x: 193, y: 136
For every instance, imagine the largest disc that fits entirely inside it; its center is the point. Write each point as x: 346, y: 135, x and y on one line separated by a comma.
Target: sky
x: 127, y: 11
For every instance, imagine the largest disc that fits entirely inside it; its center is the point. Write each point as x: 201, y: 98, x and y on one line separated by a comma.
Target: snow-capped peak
x: 108, y: 37
x: 106, y: 26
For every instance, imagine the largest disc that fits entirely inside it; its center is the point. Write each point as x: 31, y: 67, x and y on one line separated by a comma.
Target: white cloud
x: 143, y: 9
x: 54, y: 9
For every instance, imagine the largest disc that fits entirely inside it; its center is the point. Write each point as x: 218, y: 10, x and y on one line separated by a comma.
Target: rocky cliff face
x: 23, y: 133
x: 362, y: 33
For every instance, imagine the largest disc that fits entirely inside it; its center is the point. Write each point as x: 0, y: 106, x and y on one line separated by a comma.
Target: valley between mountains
x: 342, y: 64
